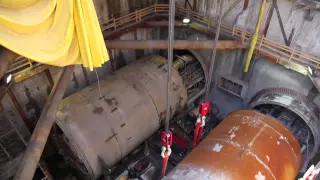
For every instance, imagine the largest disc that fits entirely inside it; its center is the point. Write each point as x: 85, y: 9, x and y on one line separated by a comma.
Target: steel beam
x: 6, y: 59
x: 187, y: 3
x: 177, y: 44
x: 275, y: 4
x: 49, y: 77
x: 162, y: 24
x: 195, y: 5
x: 268, y: 20
x: 40, y: 135
x: 21, y: 112
x: 245, y: 4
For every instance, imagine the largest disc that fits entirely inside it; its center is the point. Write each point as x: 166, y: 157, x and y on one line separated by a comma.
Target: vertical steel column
x: 245, y: 4
x: 268, y: 20
x: 21, y: 112
x: 7, y: 58
x: 275, y: 4
x: 214, y: 52
x: 49, y: 77
x: 195, y: 5
x: 170, y: 59
x: 41, y: 132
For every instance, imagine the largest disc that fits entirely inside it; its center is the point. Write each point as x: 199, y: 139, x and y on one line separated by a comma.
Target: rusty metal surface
x: 245, y: 4
x: 131, y: 109
x: 29, y: 73
x: 246, y: 145
x: 49, y: 77
x: 178, y: 44
x: 6, y: 59
x: 40, y: 135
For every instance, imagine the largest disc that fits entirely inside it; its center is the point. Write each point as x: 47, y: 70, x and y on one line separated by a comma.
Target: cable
x: 170, y: 59
x: 99, y: 86
x: 214, y: 52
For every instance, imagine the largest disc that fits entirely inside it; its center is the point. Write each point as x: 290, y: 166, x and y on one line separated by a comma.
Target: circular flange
x: 299, y: 105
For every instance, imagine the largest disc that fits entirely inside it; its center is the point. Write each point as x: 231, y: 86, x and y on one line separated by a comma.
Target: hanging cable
x: 205, y: 106
x: 166, y: 136
x: 214, y: 51
x: 99, y: 86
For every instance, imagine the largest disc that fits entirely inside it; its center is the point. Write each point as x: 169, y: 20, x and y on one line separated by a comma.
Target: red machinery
x: 204, y: 109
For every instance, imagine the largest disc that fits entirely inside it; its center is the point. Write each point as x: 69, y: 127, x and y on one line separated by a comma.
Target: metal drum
x: 105, y: 125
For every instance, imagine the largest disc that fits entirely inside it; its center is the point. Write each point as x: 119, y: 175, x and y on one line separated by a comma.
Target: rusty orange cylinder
x: 246, y: 145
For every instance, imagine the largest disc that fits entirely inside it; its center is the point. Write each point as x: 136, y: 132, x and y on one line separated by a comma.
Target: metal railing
x: 23, y: 68
x: 272, y: 49
x: 279, y: 52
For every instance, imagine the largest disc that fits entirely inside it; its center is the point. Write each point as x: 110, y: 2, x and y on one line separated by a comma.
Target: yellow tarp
x: 54, y: 32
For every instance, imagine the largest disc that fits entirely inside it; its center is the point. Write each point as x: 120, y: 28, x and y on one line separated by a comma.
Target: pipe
x: 214, y: 52
x: 255, y: 36
x: 182, y: 61
x: 236, y: 149
x: 41, y: 132
x: 177, y: 44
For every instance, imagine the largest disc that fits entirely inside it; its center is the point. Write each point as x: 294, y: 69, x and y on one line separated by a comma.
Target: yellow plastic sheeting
x: 54, y: 32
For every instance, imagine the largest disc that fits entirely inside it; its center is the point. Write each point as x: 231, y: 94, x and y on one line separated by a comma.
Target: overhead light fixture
x: 186, y: 20
x: 7, y: 78
x: 310, y: 70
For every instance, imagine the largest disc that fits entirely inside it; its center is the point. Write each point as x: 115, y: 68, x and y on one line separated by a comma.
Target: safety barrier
x: 272, y: 49
x: 277, y: 51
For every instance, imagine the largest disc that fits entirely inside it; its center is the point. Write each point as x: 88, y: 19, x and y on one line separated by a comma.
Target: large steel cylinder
x: 103, y: 126
x: 246, y: 145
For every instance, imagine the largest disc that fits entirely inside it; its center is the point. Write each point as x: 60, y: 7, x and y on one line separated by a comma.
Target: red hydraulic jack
x: 204, y: 109
x: 166, y: 140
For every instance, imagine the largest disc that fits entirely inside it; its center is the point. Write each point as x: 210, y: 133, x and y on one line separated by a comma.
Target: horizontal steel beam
x: 160, y: 24
x: 178, y: 44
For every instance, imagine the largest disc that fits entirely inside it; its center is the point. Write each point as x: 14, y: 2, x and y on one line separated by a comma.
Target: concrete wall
x: 303, y: 22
